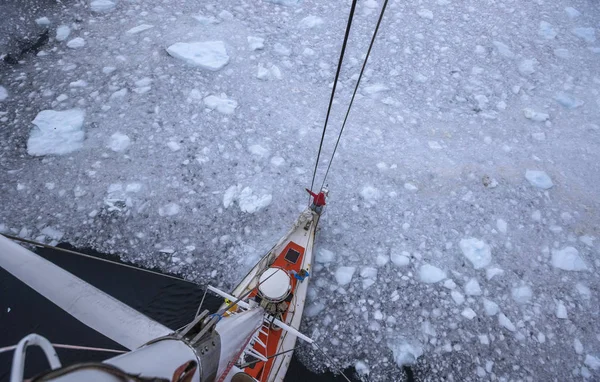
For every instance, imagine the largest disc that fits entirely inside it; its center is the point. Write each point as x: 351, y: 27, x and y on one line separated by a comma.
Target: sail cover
x: 88, y: 304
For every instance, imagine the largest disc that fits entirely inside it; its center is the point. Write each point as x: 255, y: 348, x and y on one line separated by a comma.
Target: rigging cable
x: 337, y: 75
x: 362, y: 70
x: 71, y: 347
x: 331, y: 361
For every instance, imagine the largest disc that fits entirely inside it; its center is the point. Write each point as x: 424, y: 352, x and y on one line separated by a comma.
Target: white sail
x: 88, y: 304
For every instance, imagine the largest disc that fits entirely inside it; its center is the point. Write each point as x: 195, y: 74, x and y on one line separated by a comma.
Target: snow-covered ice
x: 528, y: 67
x: 572, y: 12
x: 262, y: 73
x: 539, y: 179
x: 343, y: 275
x: 537, y: 116
x: 258, y: 150
x: 431, y: 274
x: 266, y: 73
x: 425, y: 13
x: 501, y: 225
x: 226, y: 15
x: 404, y: 352
x: 505, y: 322
x: 567, y: 100
x: 561, y: 310
x: 458, y: 297
x: 490, y: 307
x: 477, y: 252
x: 169, y: 209
x: 310, y: 22
x: 52, y: 233
x: 206, y: 20
x: 102, y: 5
x: 62, y: 32
x: 361, y: 368
x: 376, y: 88
x: 119, y: 142
x: 221, y: 103
x: 250, y: 202
x: 449, y: 284
x: 381, y: 260
x: 3, y: 93
x: 256, y: 43
x: 119, y: 94
x: 434, y: 145
x: 325, y: 256
x: 277, y: 161
x: 547, y: 31
x: 43, y: 21
x: 503, y: 49
x: 583, y: 291
x: 78, y: 84
x: 368, y: 273
x: 140, y: 28
x: 210, y: 55
x: 143, y: 85
x: 370, y: 193
x: 400, y: 259
x: 562, y: 53
x: 56, y: 132
x: 421, y: 78
x: 587, y: 34
x: 592, y: 362
x: 578, y: 346
x: 472, y: 287
x: 247, y: 199
x: 314, y: 309
x: 468, y: 313
x: 522, y: 294
x: 568, y: 259
x: 76, y: 43
x: 281, y: 49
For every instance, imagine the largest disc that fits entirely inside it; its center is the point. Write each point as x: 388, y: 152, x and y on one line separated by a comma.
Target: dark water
x: 170, y: 302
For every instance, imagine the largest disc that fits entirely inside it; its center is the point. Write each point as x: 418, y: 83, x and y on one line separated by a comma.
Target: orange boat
x: 278, y: 284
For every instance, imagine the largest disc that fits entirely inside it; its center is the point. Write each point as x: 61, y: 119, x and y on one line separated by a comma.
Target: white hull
x: 301, y: 234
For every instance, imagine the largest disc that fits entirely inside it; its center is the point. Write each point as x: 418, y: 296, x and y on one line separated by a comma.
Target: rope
x: 269, y: 357
x: 201, y: 302
x: 339, y: 369
x: 362, y: 70
x: 337, y: 75
x: 37, y: 244
x: 71, y: 347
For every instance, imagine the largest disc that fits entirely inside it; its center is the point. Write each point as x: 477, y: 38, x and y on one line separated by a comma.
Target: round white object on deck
x: 274, y: 284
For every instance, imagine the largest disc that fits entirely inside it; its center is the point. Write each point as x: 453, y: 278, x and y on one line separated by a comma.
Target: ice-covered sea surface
x: 461, y: 233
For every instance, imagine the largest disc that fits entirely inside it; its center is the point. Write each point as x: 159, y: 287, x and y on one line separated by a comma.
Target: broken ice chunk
x: 56, y: 132
x: 430, y: 274
x: 534, y: 115
x: 477, y: 252
x: 568, y: 259
x: 221, y: 104
x: 539, y: 179
x: 210, y: 55
x: 343, y: 275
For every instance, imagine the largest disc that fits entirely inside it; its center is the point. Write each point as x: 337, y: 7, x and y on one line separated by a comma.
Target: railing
x: 18, y: 363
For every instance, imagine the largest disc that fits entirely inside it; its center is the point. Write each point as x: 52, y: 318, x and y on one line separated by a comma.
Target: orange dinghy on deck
x: 279, y: 283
